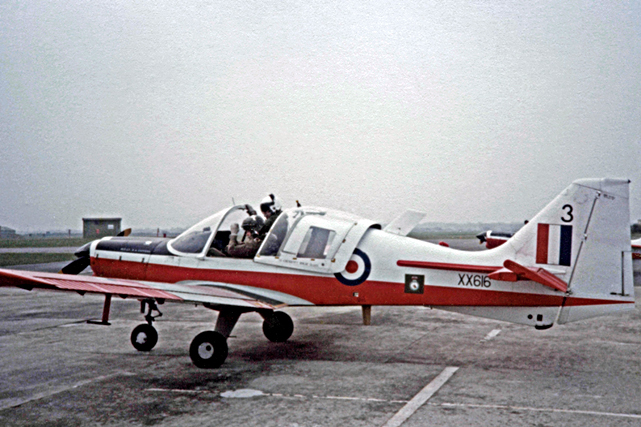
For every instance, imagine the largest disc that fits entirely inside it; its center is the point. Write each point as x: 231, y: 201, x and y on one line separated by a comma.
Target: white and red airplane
x: 572, y: 261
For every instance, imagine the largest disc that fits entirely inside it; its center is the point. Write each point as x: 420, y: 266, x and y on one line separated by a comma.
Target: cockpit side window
x: 276, y: 236
x: 316, y: 243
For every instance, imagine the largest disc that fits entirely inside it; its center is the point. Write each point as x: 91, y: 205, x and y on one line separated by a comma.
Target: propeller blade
x: 76, y: 266
x: 124, y: 233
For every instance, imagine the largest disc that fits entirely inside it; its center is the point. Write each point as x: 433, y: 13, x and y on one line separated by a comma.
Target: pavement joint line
x: 281, y: 395
x: 57, y: 390
x: 421, y: 397
x: 392, y: 357
x: 529, y: 408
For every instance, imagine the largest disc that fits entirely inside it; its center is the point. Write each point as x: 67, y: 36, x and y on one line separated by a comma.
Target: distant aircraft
x: 571, y: 262
x: 493, y: 239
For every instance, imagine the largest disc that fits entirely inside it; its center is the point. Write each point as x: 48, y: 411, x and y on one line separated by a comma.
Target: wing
x: 213, y: 294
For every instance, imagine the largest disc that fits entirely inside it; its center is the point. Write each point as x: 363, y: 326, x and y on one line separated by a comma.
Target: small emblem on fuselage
x: 414, y: 283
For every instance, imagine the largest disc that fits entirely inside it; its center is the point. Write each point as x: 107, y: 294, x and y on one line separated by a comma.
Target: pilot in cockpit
x: 271, y: 207
x: 249, y: 246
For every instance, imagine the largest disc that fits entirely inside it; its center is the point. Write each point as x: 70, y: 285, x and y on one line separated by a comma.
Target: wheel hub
x: 205, y: 350
x: 141, y: 338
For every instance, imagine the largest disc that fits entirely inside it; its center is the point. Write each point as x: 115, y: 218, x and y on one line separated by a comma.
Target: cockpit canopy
x: 197, y: 240
x: 311, y: 239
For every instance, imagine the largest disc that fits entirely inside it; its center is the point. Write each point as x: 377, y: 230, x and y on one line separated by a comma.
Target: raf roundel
x: 357, y: 269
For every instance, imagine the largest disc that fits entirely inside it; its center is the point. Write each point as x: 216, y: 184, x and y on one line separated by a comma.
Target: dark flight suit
x: 268, y: 224
x: 247, y: 249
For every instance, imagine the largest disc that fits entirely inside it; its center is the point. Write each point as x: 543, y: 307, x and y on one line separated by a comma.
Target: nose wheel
x: 144, y: 337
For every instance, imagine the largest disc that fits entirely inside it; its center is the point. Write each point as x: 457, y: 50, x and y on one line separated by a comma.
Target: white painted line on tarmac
x: 370, y: 399
x: 527, y: 408
x: 12, y: 403
x: 423, y: 396
x: 491, y: 335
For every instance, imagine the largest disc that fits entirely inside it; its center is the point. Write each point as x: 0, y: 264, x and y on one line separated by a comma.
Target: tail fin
x: 583, y: 238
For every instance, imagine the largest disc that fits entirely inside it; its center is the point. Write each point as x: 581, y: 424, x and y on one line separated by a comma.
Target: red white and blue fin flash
x: 554, y: 244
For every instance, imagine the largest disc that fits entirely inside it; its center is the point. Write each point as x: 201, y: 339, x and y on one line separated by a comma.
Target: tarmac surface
x: 412, y: 367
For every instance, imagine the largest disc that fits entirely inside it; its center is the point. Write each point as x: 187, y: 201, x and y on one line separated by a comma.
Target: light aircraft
x: 493, y: 239
x: 572, y: 261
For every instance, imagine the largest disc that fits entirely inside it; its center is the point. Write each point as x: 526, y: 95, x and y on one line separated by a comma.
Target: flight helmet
x: 270, y: 204
x: 253, y: 224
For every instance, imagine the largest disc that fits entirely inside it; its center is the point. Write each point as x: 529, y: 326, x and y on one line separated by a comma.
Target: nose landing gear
x: 144, y: 337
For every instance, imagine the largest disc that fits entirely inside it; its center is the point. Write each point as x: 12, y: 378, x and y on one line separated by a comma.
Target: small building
x: 96, y: 228
x: 7, y: 233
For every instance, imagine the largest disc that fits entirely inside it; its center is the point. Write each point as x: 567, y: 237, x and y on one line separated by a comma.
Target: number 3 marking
x: 569, y: 214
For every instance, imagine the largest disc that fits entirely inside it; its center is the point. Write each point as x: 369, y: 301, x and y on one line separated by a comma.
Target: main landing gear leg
x: 367, y: 315
x: 209, y: 349
x: 144, y: 336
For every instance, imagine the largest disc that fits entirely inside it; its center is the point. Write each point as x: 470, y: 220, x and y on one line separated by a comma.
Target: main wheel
x: 208, y: 350
x: 278, y: 327
x: 144, y: 337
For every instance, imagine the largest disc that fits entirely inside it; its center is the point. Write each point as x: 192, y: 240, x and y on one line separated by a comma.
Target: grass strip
x: 48, y: 242
x: 32, y: 258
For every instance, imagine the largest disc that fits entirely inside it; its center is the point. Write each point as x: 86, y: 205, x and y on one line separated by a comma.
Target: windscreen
x: 199, y: 237
x: 193, y: 242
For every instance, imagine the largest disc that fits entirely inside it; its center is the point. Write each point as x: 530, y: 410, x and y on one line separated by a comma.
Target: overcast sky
x: 162, y: 112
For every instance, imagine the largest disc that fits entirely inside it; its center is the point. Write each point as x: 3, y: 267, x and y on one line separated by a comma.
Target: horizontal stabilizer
x: 405, y: 222
x: 514, y: 271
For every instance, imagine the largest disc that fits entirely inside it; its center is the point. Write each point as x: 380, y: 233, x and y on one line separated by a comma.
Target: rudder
x: 583, y: 238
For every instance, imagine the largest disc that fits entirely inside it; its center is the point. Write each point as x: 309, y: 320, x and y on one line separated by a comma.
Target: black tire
x: 208, y: 350
x: 278, y: 327
x: 144, y: 337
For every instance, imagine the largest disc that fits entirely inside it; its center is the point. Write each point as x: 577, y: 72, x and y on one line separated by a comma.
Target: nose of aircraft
x: 78, y: 265
x: 83, y: 260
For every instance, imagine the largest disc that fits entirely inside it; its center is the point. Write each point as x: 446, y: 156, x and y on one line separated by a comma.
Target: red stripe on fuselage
x: 327, y: 290
x: 446, y: 266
